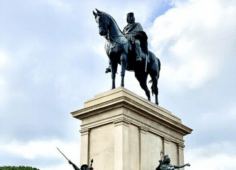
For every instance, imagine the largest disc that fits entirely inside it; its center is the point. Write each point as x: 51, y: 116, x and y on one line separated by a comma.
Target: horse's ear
x: 95, y: 14
x: 99, y: 12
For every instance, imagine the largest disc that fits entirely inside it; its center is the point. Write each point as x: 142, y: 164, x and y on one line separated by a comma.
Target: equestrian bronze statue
x: 129, y: 49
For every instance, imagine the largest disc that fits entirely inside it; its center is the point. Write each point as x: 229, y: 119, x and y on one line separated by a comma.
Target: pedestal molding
x: 84, y: 131
x: 122, y: 131
x: 181, y: 146
x: 122, y: 119
x: 131, y: 120
x: 143, y: 129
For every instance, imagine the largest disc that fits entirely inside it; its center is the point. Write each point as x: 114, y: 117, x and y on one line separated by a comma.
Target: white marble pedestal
x: 123, y: 131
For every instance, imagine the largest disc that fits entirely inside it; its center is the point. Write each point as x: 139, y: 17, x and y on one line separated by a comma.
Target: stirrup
x: 139, y: 59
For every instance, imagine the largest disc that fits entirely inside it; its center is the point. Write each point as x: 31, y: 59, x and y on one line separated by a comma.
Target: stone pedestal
x: 123, y: 131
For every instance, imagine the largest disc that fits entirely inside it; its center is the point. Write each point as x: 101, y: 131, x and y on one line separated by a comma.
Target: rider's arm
x: 180, y: 166
x: 139, y: 27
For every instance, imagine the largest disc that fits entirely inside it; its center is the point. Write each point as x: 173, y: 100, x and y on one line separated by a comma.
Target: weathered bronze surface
x: 165, y: 164
x: 129, y: 49
x: 83, y: 167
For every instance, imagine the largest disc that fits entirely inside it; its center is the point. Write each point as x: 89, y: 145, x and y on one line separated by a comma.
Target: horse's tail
x: 153, y: 88
x: 159, y: 64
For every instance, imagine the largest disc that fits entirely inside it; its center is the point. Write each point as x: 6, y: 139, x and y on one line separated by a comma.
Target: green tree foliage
x: 17, y: 168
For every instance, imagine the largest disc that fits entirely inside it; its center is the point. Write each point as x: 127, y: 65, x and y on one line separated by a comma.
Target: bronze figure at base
x: 165, y: 164
x: 83, y: 167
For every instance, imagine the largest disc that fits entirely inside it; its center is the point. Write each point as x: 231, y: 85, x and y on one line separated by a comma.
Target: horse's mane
x: 109, y: 16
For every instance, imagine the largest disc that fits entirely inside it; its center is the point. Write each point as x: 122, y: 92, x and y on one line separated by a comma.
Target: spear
x: 63, y: 154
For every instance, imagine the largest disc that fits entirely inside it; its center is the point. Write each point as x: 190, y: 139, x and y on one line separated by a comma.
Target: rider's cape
x: 135, y: 31
x: 131, y: 28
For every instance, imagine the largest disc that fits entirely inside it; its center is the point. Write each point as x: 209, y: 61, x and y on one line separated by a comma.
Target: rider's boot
x: 139, y: 53
x: 108, y: 69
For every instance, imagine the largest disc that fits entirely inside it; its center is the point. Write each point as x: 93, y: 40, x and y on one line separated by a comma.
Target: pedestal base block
x: 123, y: 131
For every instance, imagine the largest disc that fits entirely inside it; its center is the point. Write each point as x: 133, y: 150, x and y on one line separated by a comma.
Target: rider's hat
x: 131, y: 14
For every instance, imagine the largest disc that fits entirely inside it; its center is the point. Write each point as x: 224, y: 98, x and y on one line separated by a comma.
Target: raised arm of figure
x: 159, y: 166
x: 74, y: 166
x: 181, y: 166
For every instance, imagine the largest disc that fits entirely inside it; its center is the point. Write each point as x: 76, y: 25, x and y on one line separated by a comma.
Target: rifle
x: 161, y: 161
x: 91, y: 163
x: 162, y: 155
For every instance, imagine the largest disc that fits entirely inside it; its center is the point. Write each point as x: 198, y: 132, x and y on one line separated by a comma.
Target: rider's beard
x: 130, y: 20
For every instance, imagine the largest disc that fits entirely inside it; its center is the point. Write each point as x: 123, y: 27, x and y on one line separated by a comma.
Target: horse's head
x: 103, y: 22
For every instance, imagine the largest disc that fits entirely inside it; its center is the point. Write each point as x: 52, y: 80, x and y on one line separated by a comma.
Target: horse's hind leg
x: 123, y: 68
x: 113, y: 73
x: 154, y: 86
x: 142, y: 78
x: 154, y: 71
x: 156, y: 94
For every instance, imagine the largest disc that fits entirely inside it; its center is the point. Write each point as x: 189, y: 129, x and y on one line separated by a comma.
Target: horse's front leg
x: 113, y: 73
x: 123, y: 59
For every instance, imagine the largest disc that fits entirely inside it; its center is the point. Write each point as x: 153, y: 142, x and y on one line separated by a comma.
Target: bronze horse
x: 119, y: 51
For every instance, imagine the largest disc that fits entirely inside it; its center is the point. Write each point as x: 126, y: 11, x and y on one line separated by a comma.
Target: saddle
x: 142, y: 37
x: 131, y: 59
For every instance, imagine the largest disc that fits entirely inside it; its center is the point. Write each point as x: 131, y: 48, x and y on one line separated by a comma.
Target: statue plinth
x: 123, y: 131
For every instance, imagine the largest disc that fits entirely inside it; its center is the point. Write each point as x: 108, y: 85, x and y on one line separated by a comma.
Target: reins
x: 112, y: 36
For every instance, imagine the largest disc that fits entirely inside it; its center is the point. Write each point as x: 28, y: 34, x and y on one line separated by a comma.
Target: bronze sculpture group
x: 129, y: 48
x: 165, y: 164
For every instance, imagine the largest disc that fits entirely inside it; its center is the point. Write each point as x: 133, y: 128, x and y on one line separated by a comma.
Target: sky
x: 52, y: 60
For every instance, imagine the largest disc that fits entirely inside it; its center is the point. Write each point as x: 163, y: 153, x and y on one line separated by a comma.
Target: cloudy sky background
x: 52, y: 60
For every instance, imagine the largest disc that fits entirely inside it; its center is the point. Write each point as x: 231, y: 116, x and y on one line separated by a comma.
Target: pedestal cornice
x: 123, y: 98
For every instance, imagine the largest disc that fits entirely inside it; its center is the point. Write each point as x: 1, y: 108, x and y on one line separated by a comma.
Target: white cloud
x: 34, y: 149
x: 224, y: 114
x: 45, y: 149
x: 193, y: 39
x: 3, y: 58
x: 3, y: 87
x: 232, y: 112
x: 59, y: 167
x: 218, y: 156
x: 60, y: 5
